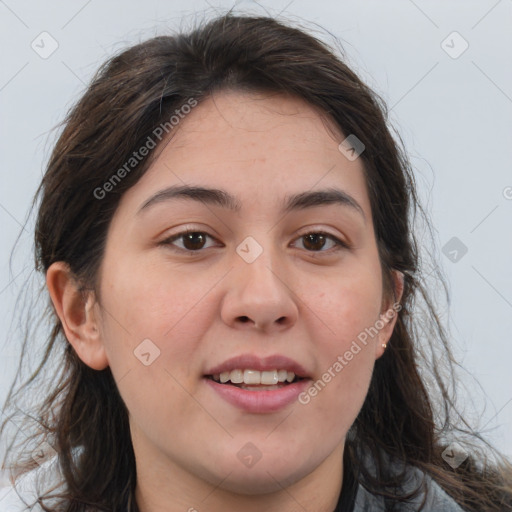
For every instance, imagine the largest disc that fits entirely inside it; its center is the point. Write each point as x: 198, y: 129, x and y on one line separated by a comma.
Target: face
x: 253, y: 286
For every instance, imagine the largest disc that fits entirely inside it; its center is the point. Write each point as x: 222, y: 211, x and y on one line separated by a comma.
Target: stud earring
x: 384, y: 345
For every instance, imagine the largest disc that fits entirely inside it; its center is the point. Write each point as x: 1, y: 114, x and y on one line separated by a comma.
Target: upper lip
x: 253, y: 362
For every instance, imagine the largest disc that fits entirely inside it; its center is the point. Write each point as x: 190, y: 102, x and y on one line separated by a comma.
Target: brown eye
x: 314, y: 241
x: 194, y: 241
x: 190, y: 241
x: 317, y: 241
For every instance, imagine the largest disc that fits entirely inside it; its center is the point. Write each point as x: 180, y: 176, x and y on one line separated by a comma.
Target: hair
x: 409, y: 411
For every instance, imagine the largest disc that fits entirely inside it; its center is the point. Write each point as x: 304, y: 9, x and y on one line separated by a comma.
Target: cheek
x: 152, y: 301
x: 146, y: 313
x: 165, y: 318
x: 337, y: 393
x: 346, y: 312
x: 346, y: 305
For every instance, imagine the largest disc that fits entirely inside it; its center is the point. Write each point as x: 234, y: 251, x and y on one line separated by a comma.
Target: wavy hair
x: 409, y: 413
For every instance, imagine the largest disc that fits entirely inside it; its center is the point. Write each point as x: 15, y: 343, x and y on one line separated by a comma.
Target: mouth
x: 258, y: 396
x: 255, y: 380
x: 256, y: 384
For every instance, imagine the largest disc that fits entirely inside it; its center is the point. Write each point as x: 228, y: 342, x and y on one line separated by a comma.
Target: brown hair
x: 130, y: 95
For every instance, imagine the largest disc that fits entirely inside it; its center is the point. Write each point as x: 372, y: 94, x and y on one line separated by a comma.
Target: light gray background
x: 454, y: 115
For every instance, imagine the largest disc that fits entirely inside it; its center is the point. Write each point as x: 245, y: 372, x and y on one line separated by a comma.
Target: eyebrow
x: 218, y: 197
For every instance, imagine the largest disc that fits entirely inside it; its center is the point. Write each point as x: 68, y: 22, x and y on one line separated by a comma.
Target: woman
x: 225, y: 231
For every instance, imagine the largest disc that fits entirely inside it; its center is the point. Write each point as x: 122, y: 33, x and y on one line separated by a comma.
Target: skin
x: 204, y: 308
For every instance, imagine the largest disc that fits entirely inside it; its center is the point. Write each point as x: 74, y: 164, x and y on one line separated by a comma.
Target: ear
x: 77, y: 314
x: 389, y: 313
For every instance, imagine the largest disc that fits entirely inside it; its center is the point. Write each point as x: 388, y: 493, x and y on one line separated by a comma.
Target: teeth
x: 254, y: 377
x: 269, y: 378
x: 236, y: 376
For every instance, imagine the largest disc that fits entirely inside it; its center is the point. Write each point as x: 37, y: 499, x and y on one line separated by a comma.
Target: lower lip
x: 260, y: 401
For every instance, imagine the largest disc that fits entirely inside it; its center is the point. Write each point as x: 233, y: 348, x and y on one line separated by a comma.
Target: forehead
x: 260, y: 147
x: 241, y: 120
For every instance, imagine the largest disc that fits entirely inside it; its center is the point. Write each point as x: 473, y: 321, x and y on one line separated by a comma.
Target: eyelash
x: 339, y: 244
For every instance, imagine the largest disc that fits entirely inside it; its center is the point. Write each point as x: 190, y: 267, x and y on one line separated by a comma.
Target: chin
x: 250, y: 483
x: 264, y: 477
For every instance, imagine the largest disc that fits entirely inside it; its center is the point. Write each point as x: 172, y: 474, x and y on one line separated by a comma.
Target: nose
x: 259, y: 295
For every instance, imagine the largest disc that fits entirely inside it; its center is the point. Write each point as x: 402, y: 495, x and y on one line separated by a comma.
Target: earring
x: 384, y: 345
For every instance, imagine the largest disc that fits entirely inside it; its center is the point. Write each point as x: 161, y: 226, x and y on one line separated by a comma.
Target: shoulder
x: 434, y: 497
x: 11, y: 501
x: 22, y: 496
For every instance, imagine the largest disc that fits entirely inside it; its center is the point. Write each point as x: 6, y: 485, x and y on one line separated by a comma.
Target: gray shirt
x: 437, y: 499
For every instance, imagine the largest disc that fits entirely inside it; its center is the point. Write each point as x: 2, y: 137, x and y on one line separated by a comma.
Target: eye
x: 316, y: 241
x: 193, y: 241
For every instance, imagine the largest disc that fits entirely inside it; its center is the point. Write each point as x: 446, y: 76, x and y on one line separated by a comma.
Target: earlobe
x: 77, y: 315
x: 389, y: 314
